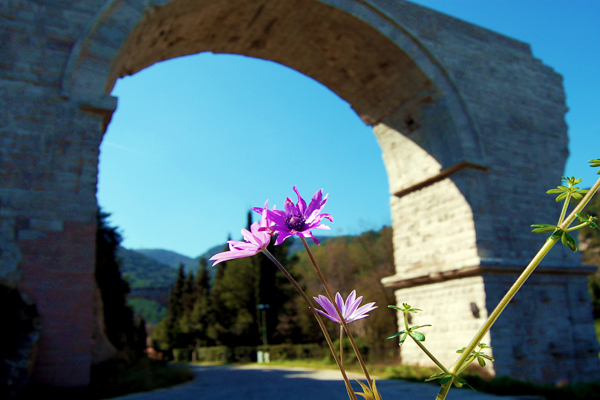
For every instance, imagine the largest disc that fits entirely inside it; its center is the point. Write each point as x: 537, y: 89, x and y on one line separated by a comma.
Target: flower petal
x: 301, y: 205
x: 328, y: 307
x: 340, y: 303
x: 349, y: 309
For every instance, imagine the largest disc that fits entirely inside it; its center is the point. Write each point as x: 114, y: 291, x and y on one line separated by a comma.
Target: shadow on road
x: 254, y: 382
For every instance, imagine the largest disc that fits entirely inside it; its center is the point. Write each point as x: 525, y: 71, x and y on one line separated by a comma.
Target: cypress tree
x: 175, y: 309
x: 200, y: 311
x: 188, y: 296
x: 118, y: 317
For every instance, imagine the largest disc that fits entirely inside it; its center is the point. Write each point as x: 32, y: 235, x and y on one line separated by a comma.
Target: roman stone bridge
x: 470, y: 124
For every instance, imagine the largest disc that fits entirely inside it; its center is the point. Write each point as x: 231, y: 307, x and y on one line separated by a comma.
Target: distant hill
x: 174, y: 259
x: 167, y: 257
x: 144, y: 272
x: 150, y: 282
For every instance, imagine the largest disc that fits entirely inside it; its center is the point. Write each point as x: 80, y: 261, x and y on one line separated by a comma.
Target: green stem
x: 342, y: 345
x: 520, y: 281
x: 503, y: 303
x: 579, y: 208
x: 349, y: 389
x: 339, y: 312
x: 564, y: 208
x: 574, y: 228
x: 431, y: 356
x: 444, y: 390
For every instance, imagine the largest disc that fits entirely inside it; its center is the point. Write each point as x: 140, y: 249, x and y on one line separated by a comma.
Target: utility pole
x: 263, y: 356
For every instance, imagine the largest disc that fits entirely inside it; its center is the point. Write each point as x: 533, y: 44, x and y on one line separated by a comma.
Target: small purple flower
x: 255, y: 241
x: 350, y: 310
x: 298, y: 219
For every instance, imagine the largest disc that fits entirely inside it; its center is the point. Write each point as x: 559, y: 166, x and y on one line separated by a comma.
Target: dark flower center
x: 295, y: 222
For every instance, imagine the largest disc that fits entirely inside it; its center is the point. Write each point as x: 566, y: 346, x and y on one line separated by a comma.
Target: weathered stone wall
x: 455, y: 309
x: 547, y: 334
x: 457, y: 110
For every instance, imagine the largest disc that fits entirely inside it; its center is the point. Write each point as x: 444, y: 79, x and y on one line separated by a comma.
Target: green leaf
x: 561, y: 197
x: 417, y: 336
x: 557, y: 233
x: 435, y: 376
x: 568, y: 241
x: 403, y: 339
x: 396, y: 308
x: 481, y: 361
x: 551, y: 191
x: 462, y: 382
x: 419, y: 326
x: 544, y: 228
x: 487, y: 357
x: 469, y: 359
x: 395, y: 335
x: 446, y: 379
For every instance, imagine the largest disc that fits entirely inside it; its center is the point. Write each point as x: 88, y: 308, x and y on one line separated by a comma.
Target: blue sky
x: 196, y: 141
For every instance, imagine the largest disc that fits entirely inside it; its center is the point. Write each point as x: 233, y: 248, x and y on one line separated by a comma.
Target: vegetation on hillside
x: 130, y: 370
x: 226, y: 310
x: 120, y: 327
x: 144, y: 272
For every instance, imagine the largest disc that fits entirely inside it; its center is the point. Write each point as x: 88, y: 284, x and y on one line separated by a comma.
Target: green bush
x: 349, y: 355
x: 244, y: 354
x: 182, y: 355
x: 218, y: 354
x: 283, y: 352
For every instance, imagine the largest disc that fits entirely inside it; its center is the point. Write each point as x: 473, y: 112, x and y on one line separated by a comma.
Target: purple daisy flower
x: 350, y: 310
x: 255, y: 241
x: 298, y: 219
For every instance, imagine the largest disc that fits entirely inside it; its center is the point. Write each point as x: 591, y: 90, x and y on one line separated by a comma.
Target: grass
x: 502, y: 386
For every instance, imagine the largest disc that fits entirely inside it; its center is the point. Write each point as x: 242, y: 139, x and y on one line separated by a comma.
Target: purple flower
x: 298, y: 219
x: 350, y: 310
x: 255, y: 241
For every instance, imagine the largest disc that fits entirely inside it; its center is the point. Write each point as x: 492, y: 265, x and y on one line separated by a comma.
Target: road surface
x: 265, y: 383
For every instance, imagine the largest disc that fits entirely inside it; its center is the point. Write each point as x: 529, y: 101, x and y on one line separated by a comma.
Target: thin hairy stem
x: 579, y: 208
x: 339, y: 312
x: 444, y: 390
x: 342, y: 345
x: 563, y: 212
x: 351, y: 393
x: 574, y: 228
x: 431, y: 356
x: 503, y: 303
x: 517, y: 285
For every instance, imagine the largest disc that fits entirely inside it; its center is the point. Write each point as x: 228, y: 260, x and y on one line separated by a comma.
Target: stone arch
x: 385, y: 73
x: 356, y: 51
x: 459, y: 112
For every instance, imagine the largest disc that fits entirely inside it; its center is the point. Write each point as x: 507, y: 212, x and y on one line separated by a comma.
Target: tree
x: 352, y: 263
x: 118, y: 317
x: 175, y: 310
x: 201, y: 308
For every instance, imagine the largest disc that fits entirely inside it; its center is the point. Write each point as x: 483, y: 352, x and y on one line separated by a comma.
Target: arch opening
x: 184, y: 127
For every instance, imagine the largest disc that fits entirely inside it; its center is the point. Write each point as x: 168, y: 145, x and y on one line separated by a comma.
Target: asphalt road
x: 255, y: 382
